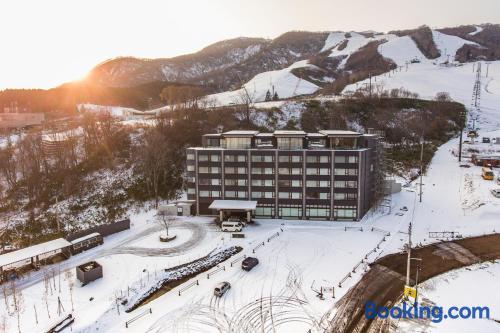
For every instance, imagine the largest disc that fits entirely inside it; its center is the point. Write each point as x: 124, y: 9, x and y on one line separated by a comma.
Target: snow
x: 472, y: 286
x: 401, y: 50
x: 428, y: 79
x: 33, y: 251
x: 332, y: 40
x: 478, y: 30
x: 448, y: 45
x: 285, y: 84
x: 81, y: 239
x: 233, y: 204
x: 116, y: 111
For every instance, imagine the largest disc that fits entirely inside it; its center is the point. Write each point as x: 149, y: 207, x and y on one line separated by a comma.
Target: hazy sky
x: 48, y: 42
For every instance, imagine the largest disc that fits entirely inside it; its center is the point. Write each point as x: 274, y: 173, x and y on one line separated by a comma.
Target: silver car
x: 496, y: 192
x: 221, y: 288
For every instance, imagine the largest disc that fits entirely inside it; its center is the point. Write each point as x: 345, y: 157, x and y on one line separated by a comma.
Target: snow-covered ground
x: 471, y: 286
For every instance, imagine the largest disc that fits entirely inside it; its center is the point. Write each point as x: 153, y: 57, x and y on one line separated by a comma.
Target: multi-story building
x: 290, y: 174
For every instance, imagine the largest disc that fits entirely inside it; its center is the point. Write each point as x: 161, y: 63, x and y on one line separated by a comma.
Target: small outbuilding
x: 89, y: 272
x: 226, y: 208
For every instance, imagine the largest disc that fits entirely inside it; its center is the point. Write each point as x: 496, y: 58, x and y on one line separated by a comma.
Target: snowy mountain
x: 301, y: 63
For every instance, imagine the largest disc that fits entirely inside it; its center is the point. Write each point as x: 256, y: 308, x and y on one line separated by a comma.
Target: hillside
x: 245, y: 69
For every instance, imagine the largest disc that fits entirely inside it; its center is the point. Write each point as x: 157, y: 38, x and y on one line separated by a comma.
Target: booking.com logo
x: 435, y: 313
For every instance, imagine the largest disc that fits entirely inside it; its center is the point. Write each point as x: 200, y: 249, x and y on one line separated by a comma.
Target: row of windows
x: 318, y: 171
x: 281, y: 195
x: 270, y: 158
x: 348, y: 212
x: 289, y: 183
x: 286, y: 183
x: 346, y: 172
x: 318, y: 183
x: 270, y: 171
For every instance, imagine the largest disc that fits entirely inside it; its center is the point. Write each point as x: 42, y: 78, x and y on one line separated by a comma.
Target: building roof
x: 316, y: 135
x: 233, y: 205
x: 339, y: 133
x: 241, y: 133
x: 81, y: 239
x: 264, y: 134
x: 289, y: 133
x: 33, y: 251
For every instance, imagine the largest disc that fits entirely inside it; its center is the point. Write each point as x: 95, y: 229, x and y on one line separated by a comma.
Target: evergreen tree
x: 276, y: 97
x: 268, y: 95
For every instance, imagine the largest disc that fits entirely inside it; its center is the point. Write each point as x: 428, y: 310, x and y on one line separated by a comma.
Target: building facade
x: 327, y: 175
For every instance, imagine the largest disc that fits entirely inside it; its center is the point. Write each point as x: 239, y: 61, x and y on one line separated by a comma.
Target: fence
x: 273, y: 236
x: 223, y: 268
x: 104, y: 230
x: 385, y: 232
x: 189, y: 286
x: 142, y: 314
x: 237, y: 259
x: 257, y: 247
x: 353, y: 228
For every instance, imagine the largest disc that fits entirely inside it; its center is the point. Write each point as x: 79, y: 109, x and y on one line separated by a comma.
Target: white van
x: 232, y: 226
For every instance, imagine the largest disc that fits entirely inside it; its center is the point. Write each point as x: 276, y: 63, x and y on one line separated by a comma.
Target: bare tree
x: 165, y: 220
x: 18, y: 303
x: 71, y: 283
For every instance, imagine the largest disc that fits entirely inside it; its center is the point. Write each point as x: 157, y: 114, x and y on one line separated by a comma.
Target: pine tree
x: 275, y: 96
x: 268, y: 96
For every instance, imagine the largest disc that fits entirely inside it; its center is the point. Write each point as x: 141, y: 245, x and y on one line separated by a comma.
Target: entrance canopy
x: 237, y: 205
x: 229, y: 207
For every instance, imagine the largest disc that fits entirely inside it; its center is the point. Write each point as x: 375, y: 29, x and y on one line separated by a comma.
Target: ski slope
x: 283, y: 82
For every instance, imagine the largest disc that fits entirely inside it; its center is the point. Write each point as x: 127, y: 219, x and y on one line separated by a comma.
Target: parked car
x: 486, y: 140
x: 221, y: 288
x: 236, y: 219
x: 465, y: 165
x: 231, y: 226
x: 249, y: 263
x: 496, y: 192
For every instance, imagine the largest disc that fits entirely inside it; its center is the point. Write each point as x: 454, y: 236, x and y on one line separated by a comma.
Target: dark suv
x: 249, y: 263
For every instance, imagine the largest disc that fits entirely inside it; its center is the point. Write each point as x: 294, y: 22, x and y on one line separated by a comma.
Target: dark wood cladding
x: 304, y: 183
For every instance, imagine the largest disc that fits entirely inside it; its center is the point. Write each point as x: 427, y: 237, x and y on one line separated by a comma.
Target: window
x: 241, y: 158
x: 318, y: 171
x: 203, y: 169
x: 344, y: 212
x: 346, y: 172
x: 262, y: 158
x: 214, y: 170
x: 318, y: 195
x: 318, y: 183
x: 262, y: 182
x: 264, y: 210
x: 234, y: 170
x: 238, y: 143
x: 262, y: 171
x: 284, y: 171
x: 229, y: 158
x: 208, y: 194
x: 340, y: 159
x: 190, y: 167
x: 290, y: 143
x: 259, y: 195
x: 296, y: 158
x: 230, y: 194
x: 290, y: 211
x: 214, y: 158
x: 190, y: 157
x: 318, y: 159
x: 191, y: 190
x: 296, y: 171
x: 346, y: 184
x: 235, y: 182
x: 345, y: 196
x: 353, y: 159
x: 235, y: 194
x: 317, y: 211
x: 290, y: 195
x: 289, y: 183
x: 202, y: 157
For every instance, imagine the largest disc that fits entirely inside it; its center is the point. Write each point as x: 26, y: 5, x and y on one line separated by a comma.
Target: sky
x: 48, y: 42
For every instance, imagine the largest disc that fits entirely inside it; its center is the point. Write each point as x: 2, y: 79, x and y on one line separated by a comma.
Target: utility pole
x: 463, y: 115
x: 370, y: 75
x: 409, y: 255
x: 421, y: 165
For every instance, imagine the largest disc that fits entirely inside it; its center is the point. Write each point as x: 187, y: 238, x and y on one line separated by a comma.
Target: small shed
x: 89, y: 272
x: 177, y: 208
x: 225, y: 208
